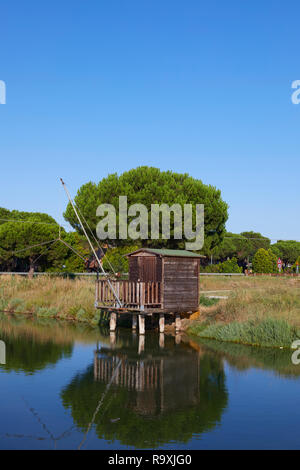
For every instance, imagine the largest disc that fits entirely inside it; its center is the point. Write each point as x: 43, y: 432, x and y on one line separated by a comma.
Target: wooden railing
x: 137, y: 375
x: 131, y: 294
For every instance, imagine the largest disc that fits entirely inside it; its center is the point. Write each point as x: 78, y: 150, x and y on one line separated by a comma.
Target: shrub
x: 207, y: 302
x: 264, y: 261
x: 210, y: 268
x: 228, y: 266
x: 46, y: 312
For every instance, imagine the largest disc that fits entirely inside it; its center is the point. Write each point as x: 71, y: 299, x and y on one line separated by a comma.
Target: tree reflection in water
x: 149, y: 395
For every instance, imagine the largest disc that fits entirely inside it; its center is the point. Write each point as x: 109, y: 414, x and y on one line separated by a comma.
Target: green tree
x: 288, y: 250
x: 263, y: 261
x: 23, y: 244
x: 273, y: 259
x: 233, y: 245
x: 241, y: 246
x: 148, y: 185
x: 255, y: 240
x: 117, y: 259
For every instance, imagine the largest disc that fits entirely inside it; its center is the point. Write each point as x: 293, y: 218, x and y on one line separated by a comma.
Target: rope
x: 100, y: 403
x: 104, y: 254
x: 34, y: 246
x: 44, y: 251
x: 73, y: 249
x: 29, y: 221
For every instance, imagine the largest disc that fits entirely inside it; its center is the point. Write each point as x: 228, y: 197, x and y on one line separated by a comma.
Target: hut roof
x: 166, y: 252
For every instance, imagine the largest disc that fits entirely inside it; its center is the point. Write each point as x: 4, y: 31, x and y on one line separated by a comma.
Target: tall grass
x: 269, y: 332
x: 268, y: 315
x: 48, y: 296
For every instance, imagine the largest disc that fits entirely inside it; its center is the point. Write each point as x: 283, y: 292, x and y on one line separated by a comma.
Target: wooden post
x: 112, y: 339
x: 134, y: 322
x: 161, y: 340
x: 141, y: 343
x: 177, y: 338
x: 142, y: 324
x: 177, y: 323
x: 161, y: 323
x: 113, y: 322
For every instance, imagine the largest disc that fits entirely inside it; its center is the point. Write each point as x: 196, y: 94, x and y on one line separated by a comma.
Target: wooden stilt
x: 161, y: 340
x: 161, y: 323
x: 113, y: 322
x: 112, y: 338
x: 141, y: 343
x: 177, y: 338
x: 141, y: 324
x: 134, y: 322
x: 177, y: 323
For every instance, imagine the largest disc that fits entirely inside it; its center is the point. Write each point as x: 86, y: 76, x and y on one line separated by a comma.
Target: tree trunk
x: 31, y: 269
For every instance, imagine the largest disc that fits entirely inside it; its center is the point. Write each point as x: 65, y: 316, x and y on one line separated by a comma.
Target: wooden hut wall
x: 145, y: 268
x: 180, y: 283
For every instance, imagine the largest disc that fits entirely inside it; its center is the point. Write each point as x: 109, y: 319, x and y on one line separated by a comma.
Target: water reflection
x: 31, y: 347
x: 152, y: 395
x: 73, y: 386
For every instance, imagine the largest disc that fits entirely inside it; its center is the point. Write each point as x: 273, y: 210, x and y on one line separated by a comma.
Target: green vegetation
x: 147, y: 185
x: 262, y: 311
x: 117, y: 259
x: 24, y: 246
x: 50, y: 297
x: 239, y: 245
x: 264, y: 261
x: 269, y: 332
x: 287, y: 250
x: 228, y: 266
x: 207, y: 302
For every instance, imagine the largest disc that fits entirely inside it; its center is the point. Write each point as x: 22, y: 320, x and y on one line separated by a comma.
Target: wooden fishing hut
x: 159, y: 281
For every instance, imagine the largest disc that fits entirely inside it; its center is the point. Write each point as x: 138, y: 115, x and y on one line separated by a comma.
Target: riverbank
x: 268, y: 315
x: 49, y: 297
x: 260, y: 311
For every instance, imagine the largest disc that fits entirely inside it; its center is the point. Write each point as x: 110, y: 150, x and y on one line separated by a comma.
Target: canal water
x: 66, y: 386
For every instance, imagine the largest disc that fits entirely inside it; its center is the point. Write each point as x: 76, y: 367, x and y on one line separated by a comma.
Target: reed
x: 48, y: 296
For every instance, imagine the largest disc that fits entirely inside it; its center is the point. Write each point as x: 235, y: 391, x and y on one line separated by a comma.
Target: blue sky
x: 96, y: 87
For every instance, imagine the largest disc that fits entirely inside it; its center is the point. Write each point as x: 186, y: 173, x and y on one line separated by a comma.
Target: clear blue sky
x: 95, y: 87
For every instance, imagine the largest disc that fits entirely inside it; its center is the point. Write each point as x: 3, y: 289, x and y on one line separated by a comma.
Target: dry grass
x: 268, y: 314
x: 220, y: 283
x: 246, y: 304
x: 48, y: 296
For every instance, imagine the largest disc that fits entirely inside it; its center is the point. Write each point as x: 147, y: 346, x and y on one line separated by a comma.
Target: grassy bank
x: 263, y: 311
x: 268, y: 315
x: 49, y: 297
x: 221, y: 283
